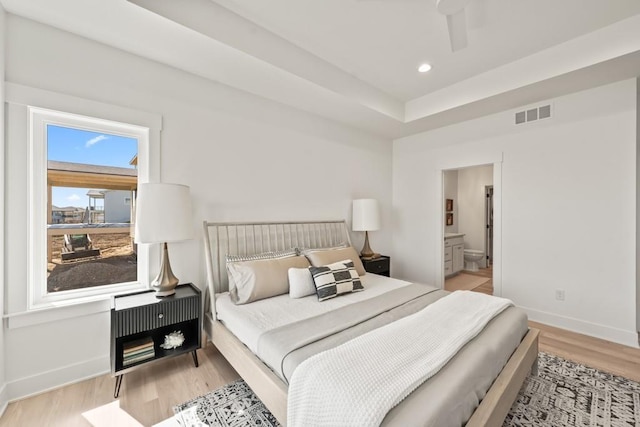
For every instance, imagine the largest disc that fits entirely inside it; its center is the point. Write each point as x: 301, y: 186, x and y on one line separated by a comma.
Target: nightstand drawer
x: 147, y: 317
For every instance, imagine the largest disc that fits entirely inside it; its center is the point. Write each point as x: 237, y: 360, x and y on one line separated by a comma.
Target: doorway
x: 468, y: 206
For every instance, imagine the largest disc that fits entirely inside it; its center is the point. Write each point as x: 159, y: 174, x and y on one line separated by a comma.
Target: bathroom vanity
x: 453, y: 253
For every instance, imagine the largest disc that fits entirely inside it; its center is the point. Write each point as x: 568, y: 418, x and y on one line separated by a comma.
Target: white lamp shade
x: 163, y: 213
x: 366, y: 215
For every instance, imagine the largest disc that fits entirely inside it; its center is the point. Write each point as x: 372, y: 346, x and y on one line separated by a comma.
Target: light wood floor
x: 149, y: 393
x: 485, y: 288
x: 594, y: 352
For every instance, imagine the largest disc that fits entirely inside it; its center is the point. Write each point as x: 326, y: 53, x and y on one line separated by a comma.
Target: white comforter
x: 357, y: 383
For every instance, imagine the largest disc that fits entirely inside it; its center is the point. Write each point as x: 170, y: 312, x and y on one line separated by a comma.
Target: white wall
x: 3, y: 390
x: 450, y: 189
x: 568, y: 197
x: 244, y: 157
x: 471, y: 214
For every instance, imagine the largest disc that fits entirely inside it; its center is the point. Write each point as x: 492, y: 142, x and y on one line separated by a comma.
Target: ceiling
x: 355, y: 61
x: 383, y: 41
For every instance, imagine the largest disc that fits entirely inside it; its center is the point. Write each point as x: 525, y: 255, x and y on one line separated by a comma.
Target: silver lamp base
x: 165, y: 283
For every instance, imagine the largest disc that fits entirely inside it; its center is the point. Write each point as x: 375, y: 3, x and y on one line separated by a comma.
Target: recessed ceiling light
x: 424, y: 68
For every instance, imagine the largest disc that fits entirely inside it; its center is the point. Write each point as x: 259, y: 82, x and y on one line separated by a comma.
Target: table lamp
x: 366, y: 217
x: 163, y: 215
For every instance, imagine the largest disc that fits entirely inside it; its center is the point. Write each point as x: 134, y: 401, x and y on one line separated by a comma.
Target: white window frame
x: 39, y: 119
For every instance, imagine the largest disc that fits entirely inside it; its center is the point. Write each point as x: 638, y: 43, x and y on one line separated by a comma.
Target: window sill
x: 65, y: 309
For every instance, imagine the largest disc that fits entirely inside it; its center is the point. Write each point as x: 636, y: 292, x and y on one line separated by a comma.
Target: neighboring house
x: 117, y: 206
x: 96, y: 206
x: 66, y: 215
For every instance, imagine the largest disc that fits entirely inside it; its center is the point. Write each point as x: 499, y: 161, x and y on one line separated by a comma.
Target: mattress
x: 447, y: 399
x: 249, y: 321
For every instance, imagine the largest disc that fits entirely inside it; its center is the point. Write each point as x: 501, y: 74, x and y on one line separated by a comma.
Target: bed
x: 488, y: 371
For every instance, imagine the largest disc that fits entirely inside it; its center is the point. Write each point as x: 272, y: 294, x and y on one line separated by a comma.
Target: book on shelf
x: 142, y: 343
x: 138, y: 351
x: 138, y: 358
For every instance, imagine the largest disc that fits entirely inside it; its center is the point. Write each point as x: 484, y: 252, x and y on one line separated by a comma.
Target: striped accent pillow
x: 335, y: 279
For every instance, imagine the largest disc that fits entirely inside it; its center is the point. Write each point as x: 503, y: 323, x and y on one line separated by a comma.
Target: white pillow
x: 301, y: 283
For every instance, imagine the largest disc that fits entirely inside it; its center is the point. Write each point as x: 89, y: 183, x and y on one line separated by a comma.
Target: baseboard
x: 4, y: 399
x: 49, y: 380
x: 620, y: 336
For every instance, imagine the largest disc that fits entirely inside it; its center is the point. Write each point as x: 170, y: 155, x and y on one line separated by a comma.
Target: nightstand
x: 380, y: 265
x: 140, y: 321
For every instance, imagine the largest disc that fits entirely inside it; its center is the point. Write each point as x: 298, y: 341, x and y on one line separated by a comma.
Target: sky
x: 82, y: 146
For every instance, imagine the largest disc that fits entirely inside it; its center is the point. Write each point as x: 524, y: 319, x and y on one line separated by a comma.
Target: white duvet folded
x: 358, y: 382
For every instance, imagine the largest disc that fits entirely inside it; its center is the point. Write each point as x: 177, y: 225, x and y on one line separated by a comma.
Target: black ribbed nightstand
x: 140, y: 321
x: 380, y: 265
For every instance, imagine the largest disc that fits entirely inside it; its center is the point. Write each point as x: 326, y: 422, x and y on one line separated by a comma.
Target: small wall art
x: 449, y: 218
x: 449, y: 205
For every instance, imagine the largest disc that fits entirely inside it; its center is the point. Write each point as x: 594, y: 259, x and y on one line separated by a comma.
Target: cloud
x: 95, y: 140
x: 73, y: 198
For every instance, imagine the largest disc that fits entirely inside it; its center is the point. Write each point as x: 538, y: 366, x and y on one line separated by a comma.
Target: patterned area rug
x: 569, y: 394
x: 563, y: 394
x: 233, y: 405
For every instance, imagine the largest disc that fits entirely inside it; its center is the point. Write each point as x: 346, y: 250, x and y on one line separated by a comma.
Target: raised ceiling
x: 382, y: 42
x: 355, y: 61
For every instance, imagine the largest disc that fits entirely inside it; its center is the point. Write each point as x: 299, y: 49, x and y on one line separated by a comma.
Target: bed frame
x: 247, y: 238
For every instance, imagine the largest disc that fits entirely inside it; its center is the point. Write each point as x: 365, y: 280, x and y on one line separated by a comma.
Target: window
x: 85, y: 173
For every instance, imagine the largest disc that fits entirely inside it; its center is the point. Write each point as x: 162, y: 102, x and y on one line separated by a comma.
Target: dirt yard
x: 117, y: 263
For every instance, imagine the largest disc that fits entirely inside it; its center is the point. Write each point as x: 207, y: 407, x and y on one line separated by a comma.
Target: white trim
x: 470, y: 160
x: 39, y: 119
x: 69, y: 309
x: 4, y: 399
x: 21, y: 97
x: 494, y: 159
x: 628, y: 338
x: 24, y: 95
x: 56, y: 378
x: 497, y: 228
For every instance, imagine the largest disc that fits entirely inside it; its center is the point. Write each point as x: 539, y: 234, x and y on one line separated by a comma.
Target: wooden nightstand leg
x: 116, y: 392
x: 195, y: 358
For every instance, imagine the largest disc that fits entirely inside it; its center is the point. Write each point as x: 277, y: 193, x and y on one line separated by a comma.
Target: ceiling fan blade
x: 457, y: 24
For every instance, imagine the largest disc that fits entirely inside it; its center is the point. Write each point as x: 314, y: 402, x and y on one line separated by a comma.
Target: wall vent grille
x: 533, y: 114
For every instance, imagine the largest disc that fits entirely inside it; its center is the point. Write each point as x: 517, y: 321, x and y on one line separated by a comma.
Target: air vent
x: 544, y: 112
x: 533, y: 114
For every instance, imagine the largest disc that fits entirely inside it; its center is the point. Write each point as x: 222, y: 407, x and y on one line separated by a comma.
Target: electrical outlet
x: 560, y: 294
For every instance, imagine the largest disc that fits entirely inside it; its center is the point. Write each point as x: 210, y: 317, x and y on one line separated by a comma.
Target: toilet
x: 471, y: 258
